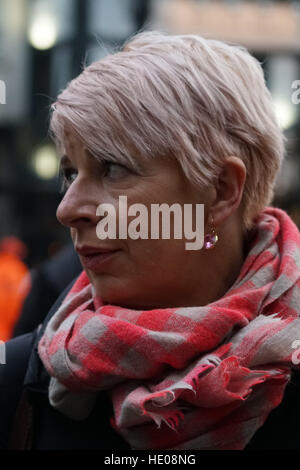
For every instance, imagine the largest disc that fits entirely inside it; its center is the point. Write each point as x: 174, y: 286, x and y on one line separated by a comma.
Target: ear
x: 229, y: 189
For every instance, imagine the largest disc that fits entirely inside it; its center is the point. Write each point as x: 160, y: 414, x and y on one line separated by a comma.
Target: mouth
x: 94, y: 258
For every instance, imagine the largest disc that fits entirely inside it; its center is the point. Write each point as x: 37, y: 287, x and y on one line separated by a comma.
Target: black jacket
x: 28, y: 421
x: 47, y: 282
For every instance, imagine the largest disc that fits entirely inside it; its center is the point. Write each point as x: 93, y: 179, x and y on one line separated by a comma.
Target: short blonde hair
x: 196, y: 99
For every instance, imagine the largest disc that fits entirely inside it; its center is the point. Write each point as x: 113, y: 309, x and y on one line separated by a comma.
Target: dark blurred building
x: 43, y: 45
x: 271, y: 32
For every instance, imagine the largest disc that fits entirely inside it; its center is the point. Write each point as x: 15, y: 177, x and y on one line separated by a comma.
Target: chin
x: 111, y: 290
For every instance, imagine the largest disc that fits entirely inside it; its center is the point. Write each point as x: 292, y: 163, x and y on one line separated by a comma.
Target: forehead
x: 74, y: 147
x: 71, y: 140
x: 74, y: 152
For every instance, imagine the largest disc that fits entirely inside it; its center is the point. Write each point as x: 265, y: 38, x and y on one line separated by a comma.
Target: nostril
x: 72, y: 214
x: 60, y: 214
x: 65, y: 212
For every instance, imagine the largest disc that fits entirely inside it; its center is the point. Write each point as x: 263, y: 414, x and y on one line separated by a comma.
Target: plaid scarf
x: 185, y: 378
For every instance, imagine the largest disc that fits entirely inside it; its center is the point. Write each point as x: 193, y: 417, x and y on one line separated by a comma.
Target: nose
x: 78, y: 207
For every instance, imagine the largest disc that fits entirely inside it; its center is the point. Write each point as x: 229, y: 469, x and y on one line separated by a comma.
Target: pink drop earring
x: 211, y: 238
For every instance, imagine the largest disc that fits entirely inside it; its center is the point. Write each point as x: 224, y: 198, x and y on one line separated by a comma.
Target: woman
x: 156, y: 346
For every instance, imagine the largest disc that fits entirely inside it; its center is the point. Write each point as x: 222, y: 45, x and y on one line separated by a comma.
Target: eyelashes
x: 110, y: 170
x: 115, y: 171
x: 66, y: 178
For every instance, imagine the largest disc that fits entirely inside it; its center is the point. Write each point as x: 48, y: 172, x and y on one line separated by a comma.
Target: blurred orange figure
x: 14, y: 283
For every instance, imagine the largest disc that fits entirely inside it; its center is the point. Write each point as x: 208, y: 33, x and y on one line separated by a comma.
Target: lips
x: 95, y: 258
x: 85, y: 250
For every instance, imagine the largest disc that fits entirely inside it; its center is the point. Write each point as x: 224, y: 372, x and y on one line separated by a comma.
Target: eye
x: 67, y: 176
x: 115, y: 170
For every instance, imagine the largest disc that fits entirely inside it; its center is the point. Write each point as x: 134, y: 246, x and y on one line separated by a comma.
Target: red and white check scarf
x: 185, y: 378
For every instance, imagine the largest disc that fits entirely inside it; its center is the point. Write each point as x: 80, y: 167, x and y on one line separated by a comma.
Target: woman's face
x: 142, y: 273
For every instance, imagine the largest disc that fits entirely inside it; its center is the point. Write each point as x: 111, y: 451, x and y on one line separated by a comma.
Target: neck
x: 206, y: 275
x: 221, y: 267
x: 223, y: 264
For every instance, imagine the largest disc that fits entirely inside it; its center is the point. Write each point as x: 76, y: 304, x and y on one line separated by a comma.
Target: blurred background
x: 44, y: 44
